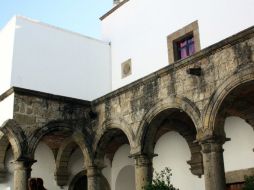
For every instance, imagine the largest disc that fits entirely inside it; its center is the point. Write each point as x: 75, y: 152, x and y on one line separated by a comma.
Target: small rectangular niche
x: 126, y: 68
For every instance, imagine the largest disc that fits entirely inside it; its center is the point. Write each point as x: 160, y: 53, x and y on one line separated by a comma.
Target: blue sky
x: 80, y: 16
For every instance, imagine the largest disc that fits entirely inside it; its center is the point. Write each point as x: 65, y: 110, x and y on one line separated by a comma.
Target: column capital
x: 23, y: 163
x: 22, y: 172
x: 208, y: 147
x: 143, y: 159
x: 93, y: 171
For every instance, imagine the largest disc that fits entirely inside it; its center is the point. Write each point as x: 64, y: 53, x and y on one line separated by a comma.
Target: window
x: 183, y: 43
x: 184, y: 47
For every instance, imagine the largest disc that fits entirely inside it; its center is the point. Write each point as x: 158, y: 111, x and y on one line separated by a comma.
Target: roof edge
x: 34, y: 21
x: 28, y: 92
x: 113, y: 9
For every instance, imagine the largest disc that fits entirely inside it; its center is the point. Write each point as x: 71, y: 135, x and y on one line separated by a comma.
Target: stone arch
x: 16, y: 137
x: 80, y: 138
x: 62, y: 161
x: 108, y: 130
x: 167, y: 113
x: 212, y: 109
x: 4, y: 144
x: 180, y: 103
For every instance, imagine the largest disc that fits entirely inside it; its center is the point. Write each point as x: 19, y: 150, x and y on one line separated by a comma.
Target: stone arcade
x: 192, y: 97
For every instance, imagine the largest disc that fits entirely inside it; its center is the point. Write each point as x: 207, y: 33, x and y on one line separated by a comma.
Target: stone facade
x: 195, y: 105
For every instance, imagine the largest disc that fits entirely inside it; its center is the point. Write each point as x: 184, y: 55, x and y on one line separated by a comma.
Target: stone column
x: 213, y: 164
x: 93, y: 178
x: 143, y: 170
x: 22, y: 172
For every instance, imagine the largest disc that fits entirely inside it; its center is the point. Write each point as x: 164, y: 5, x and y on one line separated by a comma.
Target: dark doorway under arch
x: 79, y: 182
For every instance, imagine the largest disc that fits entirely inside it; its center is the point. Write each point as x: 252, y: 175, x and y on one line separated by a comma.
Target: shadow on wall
x: 123, y: 180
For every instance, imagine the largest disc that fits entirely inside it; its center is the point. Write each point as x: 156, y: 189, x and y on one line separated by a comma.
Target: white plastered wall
x: 6, y: 109
x: 173, y: 152
x: 121, y: 159
x: 6, y: 53
x: 52, y: 60
x: 122, y: 167
x: 238, y: 152
x: 45, y: 166
x: 8, y: 184
x: 139, y: 30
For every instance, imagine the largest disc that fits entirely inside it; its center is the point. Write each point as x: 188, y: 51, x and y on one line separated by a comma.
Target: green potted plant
x: 161, y: 181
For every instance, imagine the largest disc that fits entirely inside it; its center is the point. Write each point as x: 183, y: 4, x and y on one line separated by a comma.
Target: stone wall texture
x: 194, y: 103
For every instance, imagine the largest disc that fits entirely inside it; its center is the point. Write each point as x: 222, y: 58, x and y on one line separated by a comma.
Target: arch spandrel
x: 179, y: 103
x: 211, y: 112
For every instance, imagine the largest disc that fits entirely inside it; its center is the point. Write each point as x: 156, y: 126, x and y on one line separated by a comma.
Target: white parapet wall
x: 6, y: 109
x: 48, y: 59
x: 238, y: 151
x: 138, y: 30
x: 6, y: 54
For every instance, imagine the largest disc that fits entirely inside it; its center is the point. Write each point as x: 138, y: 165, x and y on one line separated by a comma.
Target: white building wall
x: 6, y: 109
x: 52, y: 60
x: 107, y: 170
x: 8, y: 184
x: 6, y: 53
x: 45, y: 166
x: 139, y: 30
x: 120, y: 161
x: 173, y: 152
x: 238, y: 152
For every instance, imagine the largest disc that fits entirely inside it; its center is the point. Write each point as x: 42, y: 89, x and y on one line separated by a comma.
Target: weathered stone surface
x: 238, y: 175
x: 169, y: 99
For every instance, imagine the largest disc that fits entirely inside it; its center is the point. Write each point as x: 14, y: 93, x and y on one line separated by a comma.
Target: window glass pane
x: 183, y: 43
x: 183, y: 53
x: 191, y: 40
x: 185, y: 47
x: 191, y: 49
